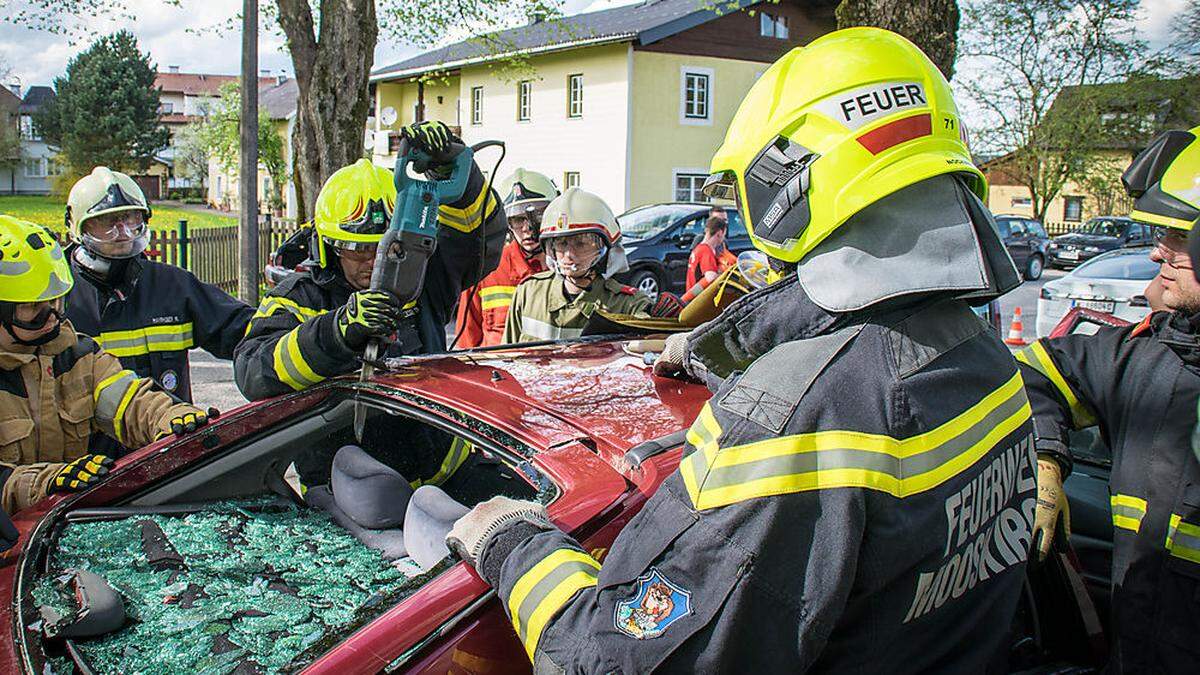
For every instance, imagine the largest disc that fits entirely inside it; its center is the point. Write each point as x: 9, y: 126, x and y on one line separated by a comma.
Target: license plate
x: 1069, y: 255
x: 1105, y: 306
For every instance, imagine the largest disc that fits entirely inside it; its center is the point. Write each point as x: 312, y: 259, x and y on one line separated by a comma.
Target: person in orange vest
x: 709, y: 259
x: 483, y: 309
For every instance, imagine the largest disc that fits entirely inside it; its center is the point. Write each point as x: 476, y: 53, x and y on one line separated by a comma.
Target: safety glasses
x: 121, y: 225
x: 1170, y: 239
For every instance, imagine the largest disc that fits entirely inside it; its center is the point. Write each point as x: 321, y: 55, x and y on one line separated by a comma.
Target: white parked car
x: 1111, y: 283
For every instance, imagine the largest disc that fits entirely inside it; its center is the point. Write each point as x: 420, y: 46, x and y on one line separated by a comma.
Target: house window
x: 570, y: 179
x: 687, y: 187
x: 1073, y: 209
x: 695, y: 100
x: 166, y: 108
x: 476, y: 105
x: 53, y: 167
x: 524, y: 89
x: 28, y: 130
x: 1022, y: 201
x: 35, y: 167
x: 575, y: 96
x: 773, y: 26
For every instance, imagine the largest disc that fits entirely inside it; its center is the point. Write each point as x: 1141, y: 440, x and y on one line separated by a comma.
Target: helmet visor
x: 530, y: 209
x: 373, y: 220
x: 575, y: 255
x: 721, y: 185
x: 122, y: 234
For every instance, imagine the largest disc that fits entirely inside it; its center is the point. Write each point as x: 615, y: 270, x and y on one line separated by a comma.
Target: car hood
x: 555, y: 394
x: 1080, y: 239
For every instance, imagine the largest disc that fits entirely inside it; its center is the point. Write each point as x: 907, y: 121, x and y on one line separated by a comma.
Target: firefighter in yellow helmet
x: 1140, y: 384
x: 316, y: 323
x: 483, y: 308
x: 147, y: 313
x: 832, y: 488
x: 582, y: 241
x: 57, y: 388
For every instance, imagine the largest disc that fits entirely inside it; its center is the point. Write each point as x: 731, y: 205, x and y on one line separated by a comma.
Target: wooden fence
x: 1055, y: 229
x: 211, y: 253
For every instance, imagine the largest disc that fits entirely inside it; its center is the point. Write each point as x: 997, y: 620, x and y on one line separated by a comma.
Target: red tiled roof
x: 200, y: 83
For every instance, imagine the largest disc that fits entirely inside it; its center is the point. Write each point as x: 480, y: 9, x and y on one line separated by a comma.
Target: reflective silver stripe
x: 542, y: 589
x: 9, y: 268
x: 109, y: 397
x: 545, y: 331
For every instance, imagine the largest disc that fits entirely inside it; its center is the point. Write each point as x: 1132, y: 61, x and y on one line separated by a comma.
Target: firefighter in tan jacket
x: 57, y: 387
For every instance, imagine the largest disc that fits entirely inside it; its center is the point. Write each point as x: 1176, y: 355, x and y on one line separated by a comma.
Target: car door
x: 1137, y: 234
x: 1013, y: 234
x: 1091, y: 514
x: 677, y: 246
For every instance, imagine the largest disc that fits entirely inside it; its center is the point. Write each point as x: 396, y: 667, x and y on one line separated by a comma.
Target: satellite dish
x: 388, y: 116
x: 368, y: 139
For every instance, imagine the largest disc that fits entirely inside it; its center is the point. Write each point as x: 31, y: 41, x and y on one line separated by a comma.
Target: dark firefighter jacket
x: 857, y: 496
x: 152, y: 318
x: 1139, y: 384
x: 293, y: 340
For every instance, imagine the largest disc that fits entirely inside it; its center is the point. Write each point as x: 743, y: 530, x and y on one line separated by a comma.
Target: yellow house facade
x: 1075, y: 203
x: 629, y: 103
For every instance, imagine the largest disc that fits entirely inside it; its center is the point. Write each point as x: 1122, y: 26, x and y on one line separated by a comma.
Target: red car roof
x: 557, y: 393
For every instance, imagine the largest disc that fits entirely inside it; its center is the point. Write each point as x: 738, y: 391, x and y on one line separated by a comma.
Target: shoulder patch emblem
x: 169, y: 380
x: 655, y: 605
x: 1142, y: 327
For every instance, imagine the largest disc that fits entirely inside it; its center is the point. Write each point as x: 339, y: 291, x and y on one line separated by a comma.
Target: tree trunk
x: 332, y: 71
x: 931, y: 24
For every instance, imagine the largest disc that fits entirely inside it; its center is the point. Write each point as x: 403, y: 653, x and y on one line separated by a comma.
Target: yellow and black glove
x: 81, y: 474
x: 366, y: 315
x: 433, y: 138
x: 189, y: 422
x: 1051, y: 502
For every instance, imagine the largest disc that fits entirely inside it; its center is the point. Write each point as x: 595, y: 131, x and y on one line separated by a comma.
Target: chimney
x: 172, y: 69
x: 281, y: 78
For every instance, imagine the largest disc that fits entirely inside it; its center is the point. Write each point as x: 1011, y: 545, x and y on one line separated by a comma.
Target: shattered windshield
x: 222, y: 589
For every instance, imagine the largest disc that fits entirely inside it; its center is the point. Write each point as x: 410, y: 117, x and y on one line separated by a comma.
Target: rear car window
x: 1133, y: 266
x: 1036, y: 228
x: 647, y: 222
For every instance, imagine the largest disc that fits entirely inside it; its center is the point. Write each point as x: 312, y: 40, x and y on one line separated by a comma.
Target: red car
x: 583, y: 426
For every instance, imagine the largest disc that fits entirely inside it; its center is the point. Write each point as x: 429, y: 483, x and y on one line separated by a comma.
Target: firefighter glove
x: 667, y: 306
x: 81, y: 473
x: 1051, y: 501
x: 671, y: 363
x: 433, y: 138
x: 368, y: 314
x: 471, y: 534
x: 188, y: 422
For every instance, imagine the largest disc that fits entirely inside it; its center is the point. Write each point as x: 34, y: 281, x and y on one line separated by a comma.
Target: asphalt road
x: 212, y: 379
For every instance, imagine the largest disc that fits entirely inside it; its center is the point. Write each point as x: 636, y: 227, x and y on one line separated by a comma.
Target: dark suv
x: 659, y: 238
x: 1098, y: 235
x: 1027, y: 243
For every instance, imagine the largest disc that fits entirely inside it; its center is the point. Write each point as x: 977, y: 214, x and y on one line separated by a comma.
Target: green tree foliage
x: 106, y: 108
x: 1057, y: 81
x: 218, y: 134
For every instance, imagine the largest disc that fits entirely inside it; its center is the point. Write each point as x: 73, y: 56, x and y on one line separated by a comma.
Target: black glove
x: 366, y: 315
x: 81, y: 474
x: 433, y: 138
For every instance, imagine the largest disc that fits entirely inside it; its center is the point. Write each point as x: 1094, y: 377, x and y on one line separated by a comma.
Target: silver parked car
x: 1111, y: 283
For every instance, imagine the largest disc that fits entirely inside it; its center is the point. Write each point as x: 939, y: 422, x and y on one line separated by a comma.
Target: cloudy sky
x: 36, y: 57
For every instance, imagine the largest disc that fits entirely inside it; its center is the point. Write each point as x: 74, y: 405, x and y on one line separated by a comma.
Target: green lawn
x: 48, y: 211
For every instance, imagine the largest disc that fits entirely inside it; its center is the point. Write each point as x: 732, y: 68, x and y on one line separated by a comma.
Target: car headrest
x: 368, y: 491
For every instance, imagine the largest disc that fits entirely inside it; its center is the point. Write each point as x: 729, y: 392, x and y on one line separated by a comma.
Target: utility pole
x: 248, y: 160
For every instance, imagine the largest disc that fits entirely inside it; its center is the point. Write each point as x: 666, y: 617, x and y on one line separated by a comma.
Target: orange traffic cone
x: 1014, y: 338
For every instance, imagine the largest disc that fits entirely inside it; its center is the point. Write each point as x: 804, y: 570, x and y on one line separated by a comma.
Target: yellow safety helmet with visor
x: 1164, y: 180
x: 354, y: 208
x: 832, y: 128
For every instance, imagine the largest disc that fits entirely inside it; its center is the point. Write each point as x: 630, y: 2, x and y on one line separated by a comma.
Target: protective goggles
x: 374, y: 219
x: 47, y: 310
x: 1170, y: 238
x: 341, y: 245
x: 531, y: 210
x: 775, y: 202
x: 115, y: 226
x: 575, y: 254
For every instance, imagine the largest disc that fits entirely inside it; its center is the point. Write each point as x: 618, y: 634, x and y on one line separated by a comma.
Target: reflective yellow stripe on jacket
x: 542, y: 591
x: 716, y: 476
x: 1127, y: 512
x: 1183, y: 539
x: 1036, y: 357
x: 112, y: 396
x: 467, y: 219
x: 272, y: 304
x: 496, y: 297
x: 290, y: 366
x: 141, y: 341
